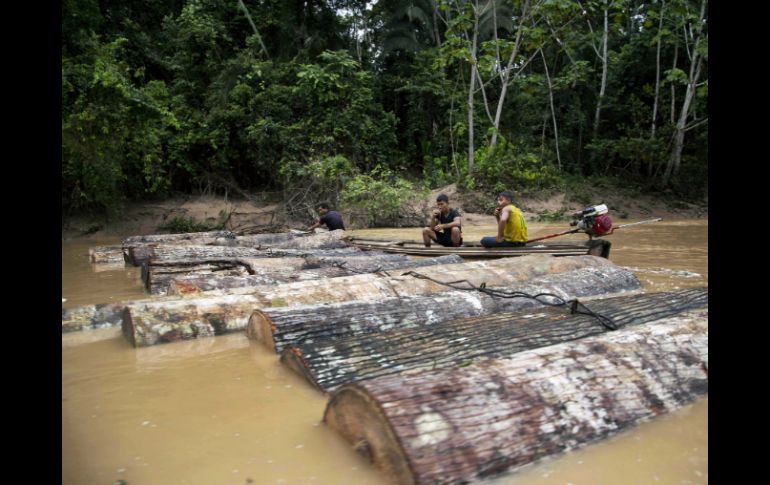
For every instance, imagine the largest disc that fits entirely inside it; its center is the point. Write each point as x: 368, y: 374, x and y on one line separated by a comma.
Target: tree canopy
x: 277, y: 95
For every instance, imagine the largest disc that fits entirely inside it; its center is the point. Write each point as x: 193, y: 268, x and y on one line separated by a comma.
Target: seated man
x: 332, y: 219
x: 511, y: 228
x: 444, y: 225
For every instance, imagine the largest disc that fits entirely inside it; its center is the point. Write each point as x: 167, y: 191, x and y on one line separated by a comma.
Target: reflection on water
x: 223, y: 410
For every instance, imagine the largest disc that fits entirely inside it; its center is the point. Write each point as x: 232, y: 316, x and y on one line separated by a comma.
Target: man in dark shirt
x: 332, y: 219
x: 444, y: 226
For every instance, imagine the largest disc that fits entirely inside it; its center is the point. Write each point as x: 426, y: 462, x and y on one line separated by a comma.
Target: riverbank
x: 190, y: 213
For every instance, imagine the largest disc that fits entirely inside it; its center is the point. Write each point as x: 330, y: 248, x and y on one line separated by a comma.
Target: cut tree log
x: 138, y: 253
x: 328, y: 364
x: 319, y: 268
x: 279, y: 327
x: 172, y: 252
x: 148, y: 322
x: 106, y: 254
x: 157, y: 276
x: 462, y: 425
x: 136, y: 249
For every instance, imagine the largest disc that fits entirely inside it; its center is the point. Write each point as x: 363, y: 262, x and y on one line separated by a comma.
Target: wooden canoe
x: 593, y: 247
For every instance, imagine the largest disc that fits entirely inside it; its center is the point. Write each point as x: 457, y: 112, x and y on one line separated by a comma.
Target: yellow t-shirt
x: 515, y: 227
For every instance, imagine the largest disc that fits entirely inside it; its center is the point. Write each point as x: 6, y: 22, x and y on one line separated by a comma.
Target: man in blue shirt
x: 332, y: 219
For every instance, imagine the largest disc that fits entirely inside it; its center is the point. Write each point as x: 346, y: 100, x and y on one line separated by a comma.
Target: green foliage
x: 179, y: 95
x: 182, y: 224
x: 507, y: 167
x: 555, y: 216
x: 380, y: 199
x: 114, y: 136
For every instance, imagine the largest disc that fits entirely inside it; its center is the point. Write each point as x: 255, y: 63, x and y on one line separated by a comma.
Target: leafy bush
x: 507, y: 167
x: 181, y: 224
x: 555, y: 216
x: 382, y: 199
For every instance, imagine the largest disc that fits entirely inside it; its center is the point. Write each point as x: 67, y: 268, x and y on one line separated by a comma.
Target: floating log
x: 462, y: 425
x: 170, y: 252
x: 148, y: 323
x: 175, y: 238
x: 140, y: 252
x: 329, y: 364
x: 90, y: 317
x: 101, y: 267
x: 157, y: 276
x: 136, y: 249
x: 320, y: 268
x: 279, y: 327
x: 106, y: 254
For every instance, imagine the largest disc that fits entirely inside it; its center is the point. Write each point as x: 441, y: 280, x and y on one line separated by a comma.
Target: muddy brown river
x: 225, y: 411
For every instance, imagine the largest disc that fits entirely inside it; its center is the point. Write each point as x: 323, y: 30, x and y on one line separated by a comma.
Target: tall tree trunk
x: 553, y: 110
x: 254, y: 28
x: 657, y: 82
x: 506, y: 77
x: 657, y: 71
x: 472, y: 91
x: 464, y: 425
x: 673, y: 85
x: 696, y: 61
x: 603, y: 88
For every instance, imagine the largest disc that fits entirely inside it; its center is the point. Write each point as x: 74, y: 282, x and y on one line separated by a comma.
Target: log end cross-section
x: 357, y: 416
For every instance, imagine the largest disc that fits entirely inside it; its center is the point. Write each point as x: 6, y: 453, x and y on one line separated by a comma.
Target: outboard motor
x: 593, y: 220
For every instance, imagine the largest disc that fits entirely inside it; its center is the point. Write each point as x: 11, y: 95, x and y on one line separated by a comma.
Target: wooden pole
x: 461, y: 425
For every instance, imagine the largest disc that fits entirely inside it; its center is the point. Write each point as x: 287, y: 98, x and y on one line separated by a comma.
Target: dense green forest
x: 353, y: 101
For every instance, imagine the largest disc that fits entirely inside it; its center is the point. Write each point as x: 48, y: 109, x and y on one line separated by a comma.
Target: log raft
x: 146, y: 322
x: 328, y: 364
x: 461, y: 425
x: 312, y: 268
x: 279, y: 327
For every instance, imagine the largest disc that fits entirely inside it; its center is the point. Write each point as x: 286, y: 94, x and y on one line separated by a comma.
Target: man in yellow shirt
x: 511, y: 228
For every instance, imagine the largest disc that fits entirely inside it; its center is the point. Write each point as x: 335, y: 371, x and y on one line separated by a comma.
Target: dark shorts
x: 445, y: 238
x: 491, y: 242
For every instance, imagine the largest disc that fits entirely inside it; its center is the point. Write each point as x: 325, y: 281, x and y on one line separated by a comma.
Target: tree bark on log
x: 173, y: 252
x: 157, y: 276
x: 136, y: 249
x: 462, y: 425
x: 329, y: 364
x: 318, y: 268
x: 106, y: 254
x: 148, y: 323
x: 140, y: 252
x: 167, y: 238
x: 279, y: 327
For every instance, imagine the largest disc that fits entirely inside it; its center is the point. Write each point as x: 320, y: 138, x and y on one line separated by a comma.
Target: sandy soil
x: 247, y: 216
